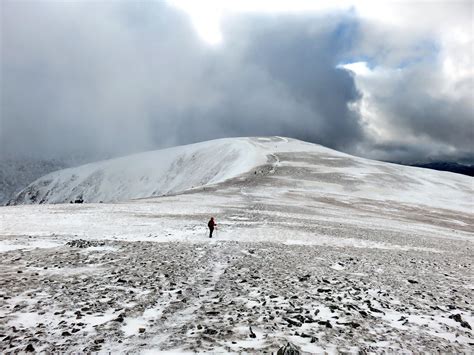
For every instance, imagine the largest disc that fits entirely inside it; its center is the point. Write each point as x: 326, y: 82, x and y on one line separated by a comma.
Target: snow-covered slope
x: 16, y: 174
x: 330, y: 252
x: 289, y: 164
x: 146, y: 174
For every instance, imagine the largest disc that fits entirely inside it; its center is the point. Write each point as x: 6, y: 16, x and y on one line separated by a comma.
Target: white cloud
x: 358, y: 68
x: 207, y: 15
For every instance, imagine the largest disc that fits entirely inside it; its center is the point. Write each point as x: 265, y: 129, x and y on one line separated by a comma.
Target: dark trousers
x: 210, y: 232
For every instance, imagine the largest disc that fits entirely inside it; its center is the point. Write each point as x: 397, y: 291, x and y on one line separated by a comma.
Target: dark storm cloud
x: 410, y: 153
x: 109, y: 78
x: 418, y: 87
x: 440, y: 119
x: 115, y: 77
x: 421, y: 118
x: 302, y: 54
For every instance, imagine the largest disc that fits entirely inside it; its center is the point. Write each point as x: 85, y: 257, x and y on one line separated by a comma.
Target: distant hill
x: 447, y: 166
x: 16, y: 174
x: 274, y: 163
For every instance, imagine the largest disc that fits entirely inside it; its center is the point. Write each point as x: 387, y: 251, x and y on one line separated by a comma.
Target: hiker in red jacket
x: 211, y: 224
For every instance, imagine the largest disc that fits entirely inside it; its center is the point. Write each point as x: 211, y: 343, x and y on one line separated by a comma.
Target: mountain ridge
x: 140, y: 175
x: 288, y: 161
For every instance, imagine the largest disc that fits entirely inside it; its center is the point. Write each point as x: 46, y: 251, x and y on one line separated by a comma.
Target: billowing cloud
x: 417, y: 83
x: 110, y: 78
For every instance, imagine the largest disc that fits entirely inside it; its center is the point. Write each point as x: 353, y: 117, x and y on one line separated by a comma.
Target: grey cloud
x: 412, y: 153
x: 112, y: 77
x: 301, y: 55
x: 419, y: 92
x: 411, y: 32
x: 81, y: 77
x: 115, y: 77
x: 417, y: 114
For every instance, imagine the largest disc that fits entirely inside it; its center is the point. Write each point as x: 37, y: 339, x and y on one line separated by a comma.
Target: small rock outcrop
x: 82, y: 243
x: 288, y: 349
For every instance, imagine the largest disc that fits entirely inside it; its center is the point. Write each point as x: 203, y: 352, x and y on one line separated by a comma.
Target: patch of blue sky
x: 345, y: 36
x: 345, y: 32
x: 426, y: 51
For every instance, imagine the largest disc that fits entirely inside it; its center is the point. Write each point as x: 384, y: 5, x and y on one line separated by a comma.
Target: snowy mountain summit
x: 290, y: 162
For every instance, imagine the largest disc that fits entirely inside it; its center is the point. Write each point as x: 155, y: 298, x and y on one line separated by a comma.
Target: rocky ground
x: 229, y: 296
x: 322, y: 252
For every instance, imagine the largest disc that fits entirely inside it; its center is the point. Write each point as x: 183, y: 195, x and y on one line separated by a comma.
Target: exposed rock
x: 119, y: 318
x: 458, y: 318
x: 304, y: 278
x: 292, y: 322
x: 89, y: 283
x: 288, y: 349
x: 82, y: 243
x: 29, y: 348
x: 375, y: 310
x: 326, y: 323
x: 252, y: 334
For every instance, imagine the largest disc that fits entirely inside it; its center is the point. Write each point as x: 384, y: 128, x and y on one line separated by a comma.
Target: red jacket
x: 211, y: 224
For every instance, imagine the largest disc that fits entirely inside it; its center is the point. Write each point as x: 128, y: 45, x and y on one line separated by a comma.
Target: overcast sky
x: 99, y: 78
